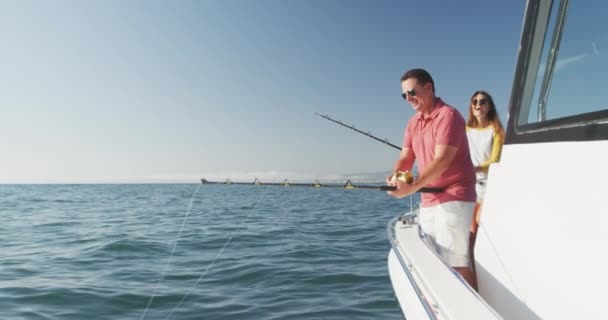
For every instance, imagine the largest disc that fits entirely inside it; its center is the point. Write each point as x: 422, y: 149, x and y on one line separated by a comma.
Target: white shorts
x: 447, y: 227
x: 480, y: 189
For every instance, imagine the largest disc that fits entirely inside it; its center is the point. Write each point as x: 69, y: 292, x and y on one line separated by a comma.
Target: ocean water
x: 194, y: 251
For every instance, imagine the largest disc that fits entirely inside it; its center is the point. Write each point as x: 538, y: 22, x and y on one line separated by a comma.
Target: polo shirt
x: 444, y: 126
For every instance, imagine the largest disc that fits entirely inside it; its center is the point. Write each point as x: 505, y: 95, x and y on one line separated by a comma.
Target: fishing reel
x: 404, y: 176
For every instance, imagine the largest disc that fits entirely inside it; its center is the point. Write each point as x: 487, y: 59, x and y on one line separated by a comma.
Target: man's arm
x: 444, y: 155
x: 405, y: 161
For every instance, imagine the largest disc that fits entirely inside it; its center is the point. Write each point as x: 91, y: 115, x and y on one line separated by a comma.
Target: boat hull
x: 410, y: 303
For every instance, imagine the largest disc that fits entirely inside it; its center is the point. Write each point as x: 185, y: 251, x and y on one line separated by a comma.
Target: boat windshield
x: 568, y: 65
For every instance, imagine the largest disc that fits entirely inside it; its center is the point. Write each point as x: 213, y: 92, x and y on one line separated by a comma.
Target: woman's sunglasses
x: 482, y: 102
x: 410, y: 93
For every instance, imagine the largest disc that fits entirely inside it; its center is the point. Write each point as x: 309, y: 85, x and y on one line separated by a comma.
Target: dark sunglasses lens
x: 411, y: 93
x: 481, y: 102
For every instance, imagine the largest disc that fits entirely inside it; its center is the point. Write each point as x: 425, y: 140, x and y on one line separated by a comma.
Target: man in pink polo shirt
x: 435, y: 137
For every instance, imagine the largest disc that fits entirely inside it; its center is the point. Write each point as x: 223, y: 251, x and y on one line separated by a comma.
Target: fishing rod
x: 347, y: 185
x: 393, y: 188
x: 385, y: 141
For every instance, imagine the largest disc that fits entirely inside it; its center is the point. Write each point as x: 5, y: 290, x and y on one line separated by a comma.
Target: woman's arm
x: 496, y: 150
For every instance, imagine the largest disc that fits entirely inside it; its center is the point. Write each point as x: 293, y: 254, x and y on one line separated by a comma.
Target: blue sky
x: 172, y: 91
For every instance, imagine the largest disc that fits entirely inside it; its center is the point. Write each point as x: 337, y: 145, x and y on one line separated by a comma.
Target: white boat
x: 541, y: 246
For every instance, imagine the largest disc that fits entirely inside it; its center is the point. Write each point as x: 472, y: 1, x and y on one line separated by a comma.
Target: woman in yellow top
x: 486, y: 136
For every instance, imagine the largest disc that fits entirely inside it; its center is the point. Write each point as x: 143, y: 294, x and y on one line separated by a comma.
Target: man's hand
x: 390, y: 178
x: 403, y: 189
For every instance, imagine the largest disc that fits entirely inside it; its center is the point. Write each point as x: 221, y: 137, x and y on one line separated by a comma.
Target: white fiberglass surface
x: 404, y: 291
x: 449, y: 295
x: 542, y: 241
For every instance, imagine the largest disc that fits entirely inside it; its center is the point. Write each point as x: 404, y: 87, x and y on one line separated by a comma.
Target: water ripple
x: 99, y: 251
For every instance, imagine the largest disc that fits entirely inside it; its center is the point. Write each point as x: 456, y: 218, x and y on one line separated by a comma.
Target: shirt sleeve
x: 407, y: 135
x: 496, y: 150
x: 450, y: 129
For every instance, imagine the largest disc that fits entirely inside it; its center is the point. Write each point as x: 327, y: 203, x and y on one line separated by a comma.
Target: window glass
x: 578, y: 77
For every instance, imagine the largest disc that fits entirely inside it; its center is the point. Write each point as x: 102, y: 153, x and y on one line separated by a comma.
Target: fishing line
x: 171, y: 255
x: 219, y: 253
x: 502, y: 264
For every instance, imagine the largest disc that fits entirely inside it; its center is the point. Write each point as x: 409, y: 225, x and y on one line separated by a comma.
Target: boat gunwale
x: 404, y: 265
x: 391, y: 236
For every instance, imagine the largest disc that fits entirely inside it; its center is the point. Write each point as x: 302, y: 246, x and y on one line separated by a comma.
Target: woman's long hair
x: 492, y: 115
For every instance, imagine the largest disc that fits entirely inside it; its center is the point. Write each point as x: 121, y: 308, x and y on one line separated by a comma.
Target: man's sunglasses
x: 482, y: 102
x: 410, y: 93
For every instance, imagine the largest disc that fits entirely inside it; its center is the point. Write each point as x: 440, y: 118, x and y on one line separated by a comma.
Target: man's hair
x: 421, y: 75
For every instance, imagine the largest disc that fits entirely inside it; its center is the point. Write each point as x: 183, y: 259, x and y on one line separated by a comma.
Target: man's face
x: 418, y: 96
